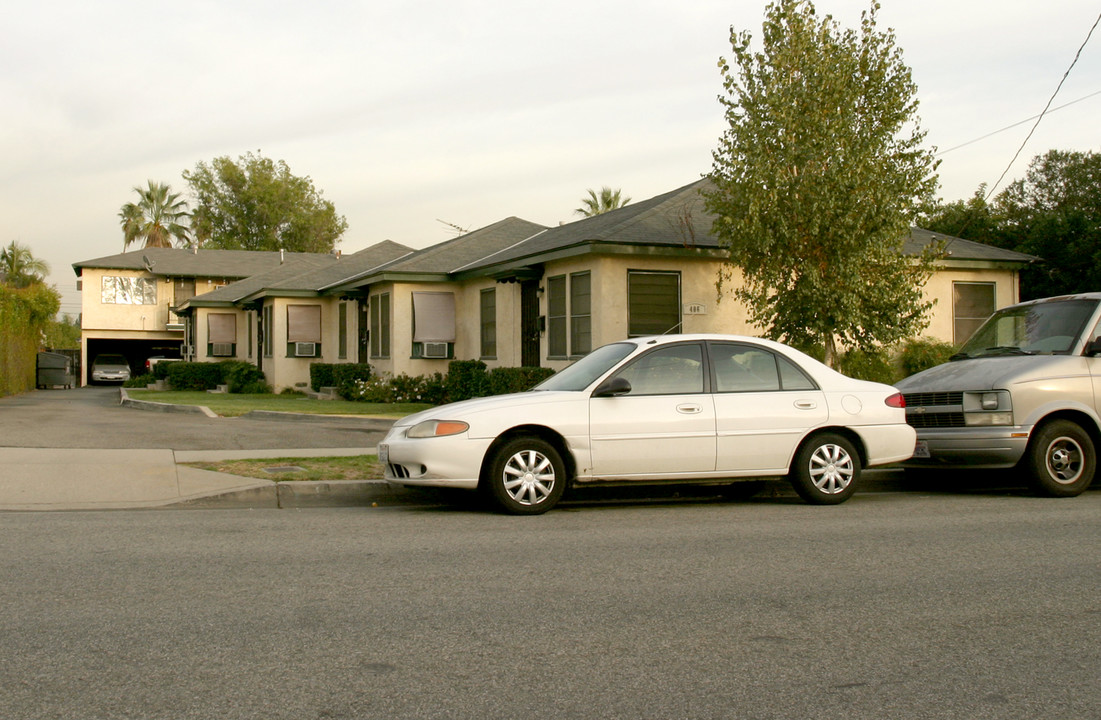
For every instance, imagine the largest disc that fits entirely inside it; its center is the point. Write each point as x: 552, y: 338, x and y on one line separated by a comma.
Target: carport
x: 135, y: 351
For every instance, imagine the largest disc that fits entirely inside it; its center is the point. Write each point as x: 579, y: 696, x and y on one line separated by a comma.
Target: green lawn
x: 356, y: 467
x: 232, y: 404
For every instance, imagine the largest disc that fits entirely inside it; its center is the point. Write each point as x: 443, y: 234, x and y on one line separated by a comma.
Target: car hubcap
x: 529, y: 477
x: 1064, y: 461
x: 831, y: 469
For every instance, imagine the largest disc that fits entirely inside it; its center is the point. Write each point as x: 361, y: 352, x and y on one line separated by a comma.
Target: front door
x: 664, y: 426
x: 529, y: 323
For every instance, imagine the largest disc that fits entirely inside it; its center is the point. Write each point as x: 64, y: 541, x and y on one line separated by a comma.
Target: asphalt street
x: 900, y: 606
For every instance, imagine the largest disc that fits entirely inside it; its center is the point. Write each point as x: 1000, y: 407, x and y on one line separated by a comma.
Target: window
x: 221, y: 335
x: 653, y: 303
x: 303, y: 331
x: 556, y: 316
x: 489, y: 323
x: 741, y: 368
x: 569, y: 315
x: 267, y: 331
x: 129, y: 291
x: 972, y: 304
x: 342, y: 330
x: 380, y: 325
x: 581, y: 321
x: 250, y: 318
x: 673, y: 370
x: 433, y: 324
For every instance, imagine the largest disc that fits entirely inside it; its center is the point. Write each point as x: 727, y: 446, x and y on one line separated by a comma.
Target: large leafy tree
x: 20, y: 268
x: 816, y: 179
x: 1053, y: 212
x: 597, y: 204
x: 157, y: 219
x: 256, y: 203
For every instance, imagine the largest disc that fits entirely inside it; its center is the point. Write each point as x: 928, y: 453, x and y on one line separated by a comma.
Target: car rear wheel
x: 526, y: 476
x: 1061, y: 459
x: 826, y: 470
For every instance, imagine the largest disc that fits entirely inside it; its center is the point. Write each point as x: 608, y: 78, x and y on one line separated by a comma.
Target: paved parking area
x: 91, y: 417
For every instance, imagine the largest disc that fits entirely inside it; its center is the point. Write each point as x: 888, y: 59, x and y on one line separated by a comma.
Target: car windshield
x: 585, y: 371
x: 110, y: 360
x: 1050, y: 328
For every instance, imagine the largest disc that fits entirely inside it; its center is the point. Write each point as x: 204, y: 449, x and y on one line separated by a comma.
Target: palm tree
x: 19, y: 268
x: 596, y: 204
x: 156, y: 219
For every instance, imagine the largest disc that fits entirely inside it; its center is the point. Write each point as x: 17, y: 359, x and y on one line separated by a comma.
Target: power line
x: 1021, y: 122
x: 1044, y: 111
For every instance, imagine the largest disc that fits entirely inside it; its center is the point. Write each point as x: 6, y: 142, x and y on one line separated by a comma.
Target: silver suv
x: 1022, y: 392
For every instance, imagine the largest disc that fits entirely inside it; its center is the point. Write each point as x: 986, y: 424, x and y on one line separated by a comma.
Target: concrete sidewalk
x: 85, y: 479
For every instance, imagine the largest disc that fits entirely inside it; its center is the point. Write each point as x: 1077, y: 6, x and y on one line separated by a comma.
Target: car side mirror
x: 613, y: 387
x: 1094, y: 347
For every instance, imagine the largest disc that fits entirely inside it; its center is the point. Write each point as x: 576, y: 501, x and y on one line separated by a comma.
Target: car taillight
x: 896, y: 401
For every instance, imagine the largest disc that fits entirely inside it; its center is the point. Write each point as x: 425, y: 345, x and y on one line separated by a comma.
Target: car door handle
x: 806, y: 404
x: 689, y: 409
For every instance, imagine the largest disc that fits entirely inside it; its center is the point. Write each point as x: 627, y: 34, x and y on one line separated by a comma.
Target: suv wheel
x: 1061, y: 459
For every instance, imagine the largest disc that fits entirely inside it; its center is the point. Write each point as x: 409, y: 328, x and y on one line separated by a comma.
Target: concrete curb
x: 297, y: 495
x: 126, y: 401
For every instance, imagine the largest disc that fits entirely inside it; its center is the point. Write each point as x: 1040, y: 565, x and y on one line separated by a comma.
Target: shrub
x: 139, y: 381
x: 344, y: 376
x: 194, y: 375
x: 160, y: 370
x: 874, y: 365
x: 924, y: 353
x: 504, y: 380
x: 321, y: 375
x: 243, y: 377
x: 466, y: 379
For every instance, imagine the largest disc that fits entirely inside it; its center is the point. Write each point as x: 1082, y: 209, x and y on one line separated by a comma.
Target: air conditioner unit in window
x: 221, y: 349
x: 302, y: 349
x: 434, y: 350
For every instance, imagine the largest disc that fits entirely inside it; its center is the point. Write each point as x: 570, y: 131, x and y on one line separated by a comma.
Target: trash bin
x: 53, y: 369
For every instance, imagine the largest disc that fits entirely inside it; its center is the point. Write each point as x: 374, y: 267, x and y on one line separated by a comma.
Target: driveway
x: 91, y: 417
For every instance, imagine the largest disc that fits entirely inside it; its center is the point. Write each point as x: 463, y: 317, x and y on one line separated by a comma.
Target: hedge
x: 25, y: 313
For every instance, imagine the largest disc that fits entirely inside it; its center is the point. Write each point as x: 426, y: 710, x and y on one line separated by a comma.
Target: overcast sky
x: 410, y: 113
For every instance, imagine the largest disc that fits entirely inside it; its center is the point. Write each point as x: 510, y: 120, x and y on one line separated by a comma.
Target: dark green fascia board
x: 394, y: 277
x: 593, y: 248
x: 259, y: 295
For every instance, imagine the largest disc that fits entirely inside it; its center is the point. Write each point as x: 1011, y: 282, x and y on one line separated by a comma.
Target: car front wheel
x: 826, y: 470
x: 1061, y: 459
x: 526, y: 476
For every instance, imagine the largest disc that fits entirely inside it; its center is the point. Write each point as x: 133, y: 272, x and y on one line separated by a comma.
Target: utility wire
x: 1022, y: 122
x: 1041, y: 116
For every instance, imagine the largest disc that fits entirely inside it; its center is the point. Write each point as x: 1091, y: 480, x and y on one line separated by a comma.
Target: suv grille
x: 945, y: 409
x: 933, y: 398
x: 936, y: 420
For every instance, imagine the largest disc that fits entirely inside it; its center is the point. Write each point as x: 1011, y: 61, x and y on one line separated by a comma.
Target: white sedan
x: 676, y: 408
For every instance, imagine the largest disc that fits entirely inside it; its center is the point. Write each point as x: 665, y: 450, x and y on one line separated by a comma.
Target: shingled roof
x: 680, y: 220
x: 193, y: 263
x: 304, y: 275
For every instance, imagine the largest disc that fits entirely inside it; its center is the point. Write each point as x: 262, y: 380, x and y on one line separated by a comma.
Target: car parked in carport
x: 1022, y: 392
x: 687, y: 408
x: 108, y: 367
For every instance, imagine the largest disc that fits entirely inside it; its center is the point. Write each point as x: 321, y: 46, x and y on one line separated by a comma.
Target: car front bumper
x: 999, y: 447
x: 453, y: 461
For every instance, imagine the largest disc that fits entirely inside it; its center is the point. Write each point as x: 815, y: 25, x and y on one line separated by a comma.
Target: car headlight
x: 437, y: 428
x: 995, y: 418
x: 986, y: 408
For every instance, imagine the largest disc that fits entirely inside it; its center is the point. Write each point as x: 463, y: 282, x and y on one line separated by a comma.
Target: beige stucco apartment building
x: 512, y: 293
